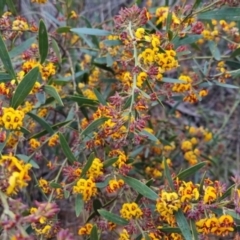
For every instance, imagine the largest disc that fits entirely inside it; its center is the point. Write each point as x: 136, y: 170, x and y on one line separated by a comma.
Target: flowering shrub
x: 98, y: 137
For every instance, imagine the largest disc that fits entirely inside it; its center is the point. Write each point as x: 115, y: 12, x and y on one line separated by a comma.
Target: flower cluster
x: 85, y: 187
x: 131, y: 211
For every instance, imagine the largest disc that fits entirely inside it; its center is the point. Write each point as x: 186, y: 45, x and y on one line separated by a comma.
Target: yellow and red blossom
x: 210, y: 195
x: 188, y: 192
x: 12, y: 119
x: 86, y: 229
x: 86, y: 187
x: 114, y: 185
x: 53, y: 140
x: 96, y: 169
x: 131, y: 211
x: 44, y: 185
x: 221, y: 226
x: 124, y: 235
x: 168, y: 203
x: 17, y: 173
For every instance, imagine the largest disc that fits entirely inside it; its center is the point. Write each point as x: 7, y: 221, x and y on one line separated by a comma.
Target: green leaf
x: 225, y: 85
x: 110, y: 162
x: 24, y: 87
x: 66, y: 194
x: 111, y: 217
x: 66, y: 149
x: 94, y: 233
x: 6, y: 59
x: 11, y: 6
x: 149, y: 135
x: 55, y: 185
x: 194, y: 230
x: 26, y: 159
x: 67, y: 79
x: 168, y: 174
x: 42, y: 122
x: 148, y: 183
x: 100, y: 60
x: 22, y: 47
x: 109, y: 60
x: 79, y: 204
x: 94, y: 38
x: 227, y: 193
x: 65, y: 29
x: 54, y: 127
x: 42, y: 41
x: 190, y: 171
x: 186, y: 40
x: 53, y: 92
x: 97, y: 205
x: 87, y: 165
x: 235, y: 53
x: 112, y: 43
x: 91, y: 31
x: 170, y: 229
x: 100, y: 97
x: 214, y: 50
x: 2, y: 5
x: 83, y: 100
x: 183, y: 225
x: 196, y: 4
x: 5, y: 77
x: 140, y: 188
x: 94, y: 125
x: 57, y: 51
x: 169, y: 21
x: 171, y: 80
x: 227, y: 13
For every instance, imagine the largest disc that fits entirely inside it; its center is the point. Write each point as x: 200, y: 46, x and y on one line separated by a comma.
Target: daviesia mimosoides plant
x: 93, y: 144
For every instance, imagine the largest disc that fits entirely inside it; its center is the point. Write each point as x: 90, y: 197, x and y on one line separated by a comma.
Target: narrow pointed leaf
x: 111, y: 217
x: 79, y: 204
x: 5, y: 77
x: 11, y: 6
x: 91, y: 31
x: 190, y: 171
x: 148, y: 183
x: 183, y: 225
x: 140, y: 188
x: 168, y: 174
x: 149, y: 135
x: 83, y: 100
x: 88, y: 164
x: 100, y: 97
x: 170, y: 229
x: 66, y: 149
x: 110, y: 162
x: 42, y: 41
x: 26, y: 159
x: 53, y: 92
x: 94, y: 125
x: 227, y: 13
x: 24, y: 87
x: 42, y: 122
x: 94, y: 233
x: 22, y: 47
x: 227, y: 193
x: 57, y: 51
x: 214, y: 50
x: 6, y: 59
